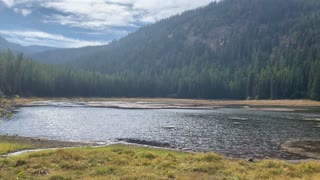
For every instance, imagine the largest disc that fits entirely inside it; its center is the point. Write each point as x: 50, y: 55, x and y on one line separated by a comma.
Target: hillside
x: 22, y: 76
x: 232, y: 49
x: 63, y: 56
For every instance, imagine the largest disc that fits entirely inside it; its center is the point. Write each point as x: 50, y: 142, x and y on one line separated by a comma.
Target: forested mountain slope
x: 232, y: 49
x: 22, y: 76
x: 64, y: 56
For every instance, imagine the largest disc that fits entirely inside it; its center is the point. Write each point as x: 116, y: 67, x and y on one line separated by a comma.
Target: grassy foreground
x: 130, y: 162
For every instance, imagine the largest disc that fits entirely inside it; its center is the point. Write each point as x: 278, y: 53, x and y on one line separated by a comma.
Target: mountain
x: 34, y: 49
x: 63, y: 56
x: 236, y: 49
x: 16, y: 48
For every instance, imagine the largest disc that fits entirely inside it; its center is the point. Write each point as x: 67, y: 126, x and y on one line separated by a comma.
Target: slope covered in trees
x: 63, y: 56
x: 232, y: 49
x: 21, y: 76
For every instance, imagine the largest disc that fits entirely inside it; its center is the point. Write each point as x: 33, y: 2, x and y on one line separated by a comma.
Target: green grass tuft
x: 7, y: 147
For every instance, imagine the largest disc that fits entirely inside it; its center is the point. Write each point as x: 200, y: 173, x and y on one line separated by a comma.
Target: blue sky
x: 77, y: 23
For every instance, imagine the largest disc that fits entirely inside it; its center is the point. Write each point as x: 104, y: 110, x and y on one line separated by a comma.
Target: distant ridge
x: 17, y: 48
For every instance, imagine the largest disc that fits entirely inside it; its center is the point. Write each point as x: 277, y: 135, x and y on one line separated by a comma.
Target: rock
x: 250, y: 160
x: 169, y: 127
x: 145, y: 142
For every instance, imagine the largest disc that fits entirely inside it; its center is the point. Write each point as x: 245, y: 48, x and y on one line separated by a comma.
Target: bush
x: 20, y: 163
x: 148, y: 155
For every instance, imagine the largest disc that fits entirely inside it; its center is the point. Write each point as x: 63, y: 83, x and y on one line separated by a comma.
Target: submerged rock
x: 144, y: 142
x: 307, y: 148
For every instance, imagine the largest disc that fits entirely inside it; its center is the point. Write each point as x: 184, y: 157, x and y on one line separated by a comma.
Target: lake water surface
x: 229, y: 131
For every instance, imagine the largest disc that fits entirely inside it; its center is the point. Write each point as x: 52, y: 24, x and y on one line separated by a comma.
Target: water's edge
x: 234, y: 120
x: 22, y: 152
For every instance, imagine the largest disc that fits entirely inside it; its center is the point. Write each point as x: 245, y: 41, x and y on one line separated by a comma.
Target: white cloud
x: 14, y: 3
x: 45, y: 39
x: 20, y: 6
x: 101, y: 14
x: 94, y: 15
x: 9, y: 3
x: 90, y: 14
x: 24, y: 12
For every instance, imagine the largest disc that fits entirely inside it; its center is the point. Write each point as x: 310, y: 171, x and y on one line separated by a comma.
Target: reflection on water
x: 233, y: 132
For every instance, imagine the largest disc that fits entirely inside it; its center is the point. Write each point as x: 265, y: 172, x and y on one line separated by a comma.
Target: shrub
x: 148, y: 155
x: 105, y: 171
x: 20, y: 163
x: 57, y: 177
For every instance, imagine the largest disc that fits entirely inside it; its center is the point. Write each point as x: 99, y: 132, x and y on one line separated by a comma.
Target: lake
x: 233, y: 132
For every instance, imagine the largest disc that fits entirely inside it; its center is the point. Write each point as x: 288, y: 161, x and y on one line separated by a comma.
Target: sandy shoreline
x: 198, y: 102
x: 163, y: 103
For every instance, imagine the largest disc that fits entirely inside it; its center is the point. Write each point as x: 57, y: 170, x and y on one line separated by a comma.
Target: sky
x: 78, y: 23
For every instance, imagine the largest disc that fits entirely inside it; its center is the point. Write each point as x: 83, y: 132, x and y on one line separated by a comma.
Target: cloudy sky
x: 76, y: 23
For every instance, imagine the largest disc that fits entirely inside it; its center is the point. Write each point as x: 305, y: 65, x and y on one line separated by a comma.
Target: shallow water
x: 230, y: 131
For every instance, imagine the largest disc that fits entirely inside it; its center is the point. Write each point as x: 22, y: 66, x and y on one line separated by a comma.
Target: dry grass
x: 127, y: 162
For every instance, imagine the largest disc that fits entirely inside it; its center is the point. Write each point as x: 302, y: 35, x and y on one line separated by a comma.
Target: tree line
x: 22, y: 76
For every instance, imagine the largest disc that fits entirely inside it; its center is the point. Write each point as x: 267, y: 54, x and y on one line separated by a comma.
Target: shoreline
x: 42, y: 144
x: 210, y: 102
x: 166, y: 103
